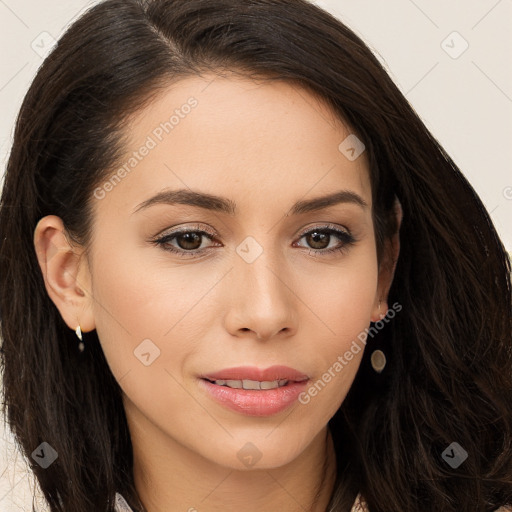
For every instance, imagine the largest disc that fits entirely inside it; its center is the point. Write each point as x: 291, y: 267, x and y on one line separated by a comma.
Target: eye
x: 320, y: 238
x: 187, y: 242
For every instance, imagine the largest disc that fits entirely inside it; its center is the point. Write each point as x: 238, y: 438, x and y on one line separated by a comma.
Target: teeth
x: 234, y: 384
x: 252, y: 384
x: 269, y: 385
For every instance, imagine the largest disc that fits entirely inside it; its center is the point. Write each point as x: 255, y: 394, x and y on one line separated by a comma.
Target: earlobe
x: 67, y: 279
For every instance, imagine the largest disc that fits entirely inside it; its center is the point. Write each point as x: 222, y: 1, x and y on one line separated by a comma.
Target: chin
x: 261, y: 451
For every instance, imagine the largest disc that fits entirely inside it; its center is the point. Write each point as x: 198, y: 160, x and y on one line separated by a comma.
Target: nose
x: 262, y: 300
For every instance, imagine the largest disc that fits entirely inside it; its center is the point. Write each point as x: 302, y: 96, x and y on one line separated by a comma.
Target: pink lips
x: 262, y: 402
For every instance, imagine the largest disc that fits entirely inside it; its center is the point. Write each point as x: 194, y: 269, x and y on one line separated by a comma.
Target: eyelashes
x: 191, y: 236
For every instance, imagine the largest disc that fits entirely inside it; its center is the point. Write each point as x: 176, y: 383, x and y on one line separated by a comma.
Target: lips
x: 253, y: 391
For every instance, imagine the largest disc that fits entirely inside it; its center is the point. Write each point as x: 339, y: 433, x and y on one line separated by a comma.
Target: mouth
x: 255, y: 392
x: 251, y: 384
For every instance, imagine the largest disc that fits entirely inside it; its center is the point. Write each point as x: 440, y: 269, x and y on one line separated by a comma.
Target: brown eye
x: 318, y: 240
x: 186, y: 243
x: 189, y: 241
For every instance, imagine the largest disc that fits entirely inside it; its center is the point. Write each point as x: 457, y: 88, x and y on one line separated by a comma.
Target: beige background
x: 451, y: 60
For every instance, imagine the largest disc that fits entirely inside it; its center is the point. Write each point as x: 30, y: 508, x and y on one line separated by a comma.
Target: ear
x: 387, y: 267
x: 66, y: 276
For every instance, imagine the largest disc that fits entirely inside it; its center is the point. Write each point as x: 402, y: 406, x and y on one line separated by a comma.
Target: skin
x: 264, y: 146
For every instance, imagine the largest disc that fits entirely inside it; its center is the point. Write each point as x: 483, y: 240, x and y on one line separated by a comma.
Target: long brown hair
x: 449, y: 372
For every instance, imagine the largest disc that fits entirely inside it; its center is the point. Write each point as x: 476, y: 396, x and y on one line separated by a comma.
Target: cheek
x: 148, y: 333
x: 344, y: 301
x: 343, y: 295
x: 139, y: 309
x: 350, y: 306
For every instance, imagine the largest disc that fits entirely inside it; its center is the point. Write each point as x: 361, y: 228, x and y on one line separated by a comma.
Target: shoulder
x: 121, y: 505
x: 360, y: 505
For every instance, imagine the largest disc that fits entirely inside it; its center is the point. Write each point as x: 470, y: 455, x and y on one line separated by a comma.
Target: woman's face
x: 251, y: 285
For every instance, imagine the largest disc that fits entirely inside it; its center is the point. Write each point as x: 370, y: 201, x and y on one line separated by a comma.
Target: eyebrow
x: 227, y: 206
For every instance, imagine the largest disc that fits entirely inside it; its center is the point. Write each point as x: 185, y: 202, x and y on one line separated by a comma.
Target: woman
x: 238, y: 273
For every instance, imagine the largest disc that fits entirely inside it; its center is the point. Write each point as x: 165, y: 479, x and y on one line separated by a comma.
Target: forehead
x: 256, y: 141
